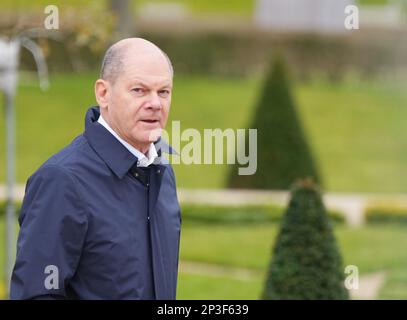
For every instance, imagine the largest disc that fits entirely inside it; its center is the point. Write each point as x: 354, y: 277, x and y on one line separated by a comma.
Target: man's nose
x: 154, y: 101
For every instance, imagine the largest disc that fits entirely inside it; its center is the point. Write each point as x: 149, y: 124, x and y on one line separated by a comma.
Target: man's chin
x: 155, y: 134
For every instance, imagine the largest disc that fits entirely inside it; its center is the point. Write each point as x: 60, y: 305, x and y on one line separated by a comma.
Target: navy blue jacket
x: 102, y: 227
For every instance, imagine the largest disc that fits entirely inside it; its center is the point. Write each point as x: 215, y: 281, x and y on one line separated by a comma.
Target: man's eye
x: 138, y: 90
x: 164, y: 93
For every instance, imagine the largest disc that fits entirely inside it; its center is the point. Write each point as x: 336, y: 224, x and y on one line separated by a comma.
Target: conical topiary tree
x: 306, y: 263
x: 283, y: 154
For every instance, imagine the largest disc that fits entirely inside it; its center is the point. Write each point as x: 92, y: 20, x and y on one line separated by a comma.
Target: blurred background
x: 327, y: 102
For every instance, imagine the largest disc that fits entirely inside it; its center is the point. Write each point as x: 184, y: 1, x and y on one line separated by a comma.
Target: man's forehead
x: 149, y: 80
x: 144, y: 65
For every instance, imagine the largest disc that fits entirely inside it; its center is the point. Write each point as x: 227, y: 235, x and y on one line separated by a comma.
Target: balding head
x: 138, y: 49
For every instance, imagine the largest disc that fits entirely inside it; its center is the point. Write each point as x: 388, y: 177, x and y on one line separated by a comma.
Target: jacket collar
x: 113, y: 153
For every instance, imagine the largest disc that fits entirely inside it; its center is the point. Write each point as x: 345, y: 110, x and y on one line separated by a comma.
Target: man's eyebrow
x: 138, y: 82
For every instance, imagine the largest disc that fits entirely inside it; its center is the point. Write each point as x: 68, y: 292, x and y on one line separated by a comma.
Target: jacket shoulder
x: 70, y: 158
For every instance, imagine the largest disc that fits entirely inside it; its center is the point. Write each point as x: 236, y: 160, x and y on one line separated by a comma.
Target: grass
x: 370, y: 248
x: 191, y: 287
x: 395, y: 287
x: 356, y: 129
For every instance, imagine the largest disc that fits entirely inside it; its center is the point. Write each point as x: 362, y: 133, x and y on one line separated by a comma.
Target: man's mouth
x: 150, y: 121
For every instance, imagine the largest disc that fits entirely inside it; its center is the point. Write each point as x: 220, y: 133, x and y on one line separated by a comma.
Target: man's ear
x: 102, y: 92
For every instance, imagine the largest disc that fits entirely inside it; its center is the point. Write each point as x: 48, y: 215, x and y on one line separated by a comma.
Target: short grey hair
x: 112, y: 64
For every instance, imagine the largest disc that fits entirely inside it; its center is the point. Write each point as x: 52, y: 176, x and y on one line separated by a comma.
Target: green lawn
x: 371, y: 248
x: 357, y: 130
x: 191, y: 287
x: 395, y: 287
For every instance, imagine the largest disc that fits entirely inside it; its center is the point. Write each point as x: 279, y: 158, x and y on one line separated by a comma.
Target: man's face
x: 138, y: 102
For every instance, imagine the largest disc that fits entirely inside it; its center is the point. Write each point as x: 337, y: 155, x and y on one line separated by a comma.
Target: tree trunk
x: 124, y: 19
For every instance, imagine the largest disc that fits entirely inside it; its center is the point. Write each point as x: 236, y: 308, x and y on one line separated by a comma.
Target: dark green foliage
x: 283, y: 154
x: 386, y: 214
x: 244, y: 214
x: 306, y: 261
x: 17, y: 207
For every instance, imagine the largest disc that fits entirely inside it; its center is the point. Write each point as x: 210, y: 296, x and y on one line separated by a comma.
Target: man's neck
x: 134, y: 150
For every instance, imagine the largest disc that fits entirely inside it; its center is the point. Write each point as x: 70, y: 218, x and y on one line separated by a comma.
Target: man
x: 100, y: 219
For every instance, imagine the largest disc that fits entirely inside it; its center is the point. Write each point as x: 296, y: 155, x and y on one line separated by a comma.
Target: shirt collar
x: 143, y: 161
x: 111, y: 150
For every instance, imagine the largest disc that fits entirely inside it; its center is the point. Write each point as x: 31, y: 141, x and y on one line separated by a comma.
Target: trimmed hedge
x: 386, y: 214
x: 306, y: 262
x: 209, y: 214
x: 239, y: 52
x: 283, y: 152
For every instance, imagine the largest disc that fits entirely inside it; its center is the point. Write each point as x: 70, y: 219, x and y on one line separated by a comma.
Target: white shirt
x: 143, y: 160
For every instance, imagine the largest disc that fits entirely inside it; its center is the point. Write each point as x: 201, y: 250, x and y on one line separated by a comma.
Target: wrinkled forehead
x: 150, y: 67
